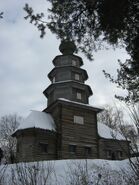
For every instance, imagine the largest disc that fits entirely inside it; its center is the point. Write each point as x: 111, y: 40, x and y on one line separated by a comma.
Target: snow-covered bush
x: 68, y: 172
x: 82, y: 173
x: 3, y: 169
x: 27, y: 174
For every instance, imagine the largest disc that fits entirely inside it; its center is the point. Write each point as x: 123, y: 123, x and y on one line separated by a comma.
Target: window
x: 108, y: 153
x: 119, y: 154
x: 44, y: 147
x: 17, y: 148
x: 74, y: 62
x: 113, y: 156
x: 77, y: 77
x: 87, y: 150
x: 54, y: 79
x: 79, y: 96
x: 72, y: 149
x: 78, y: 119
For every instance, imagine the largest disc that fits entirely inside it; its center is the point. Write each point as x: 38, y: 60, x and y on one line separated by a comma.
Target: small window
x: 79, y: 96
x: 72, y: 149
x: 77, y: 77
x: 88, y: 150
x: 78, y: 119
x: 54, y: 80
x: 119, y: 154
x: 44, y: 147
x: 74, y: 62
x: 17, y: 148
x: 109, y: 153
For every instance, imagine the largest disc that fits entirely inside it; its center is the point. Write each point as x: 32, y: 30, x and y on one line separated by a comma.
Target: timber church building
x: 67, y: 128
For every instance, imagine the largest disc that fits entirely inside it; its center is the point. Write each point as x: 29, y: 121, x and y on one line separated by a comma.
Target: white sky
x: 25, y: 61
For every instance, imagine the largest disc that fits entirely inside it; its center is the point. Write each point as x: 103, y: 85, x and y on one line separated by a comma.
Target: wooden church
x: 67, y: 128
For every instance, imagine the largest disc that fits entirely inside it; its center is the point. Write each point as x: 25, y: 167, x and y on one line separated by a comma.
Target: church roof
x: 55, y: 60
x: 106, y: 132
x: 37, y: 119
x: 43, y: 120
x: 73, y: 83
x: 68, y: 66
x: 72, y: 103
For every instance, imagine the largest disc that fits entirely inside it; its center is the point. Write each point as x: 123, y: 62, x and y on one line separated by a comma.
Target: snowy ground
x: 67, y: 172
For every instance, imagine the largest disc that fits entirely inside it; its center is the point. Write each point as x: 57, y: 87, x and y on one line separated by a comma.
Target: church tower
x: 67, y: 78
x: 68, y: 98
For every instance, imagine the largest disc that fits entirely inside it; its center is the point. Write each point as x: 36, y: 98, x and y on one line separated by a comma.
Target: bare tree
x: 133, y: 111
x: 1, y: 15
x: 8, y: 124
x: 114, y: 118
x: 78, y: 173
x: 36, y: 173
x: 110, y: 116
x: 1, y: 155
x: 3, y: 169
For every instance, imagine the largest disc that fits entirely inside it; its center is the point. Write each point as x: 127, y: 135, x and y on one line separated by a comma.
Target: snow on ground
x: 68, y: 172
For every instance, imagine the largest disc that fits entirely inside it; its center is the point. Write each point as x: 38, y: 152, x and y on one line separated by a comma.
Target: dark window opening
x: 44, y: 147
x: 72, y: 149
x: 119, y: 154
x: 17, y: 148
x: 109, y: 154
x: 113, y: 156
x: 88, y: 150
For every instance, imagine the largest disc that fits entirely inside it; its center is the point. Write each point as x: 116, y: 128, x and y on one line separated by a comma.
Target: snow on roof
x: 108, y: 133
x: 79, y: 103
x: 37, y: 119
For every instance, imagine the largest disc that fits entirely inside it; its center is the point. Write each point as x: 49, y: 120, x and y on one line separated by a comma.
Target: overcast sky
x: 25, y: 61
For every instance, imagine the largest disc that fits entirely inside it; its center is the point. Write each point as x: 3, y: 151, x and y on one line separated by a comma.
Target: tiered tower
x: 68, y: 98
x: 67, y: 78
